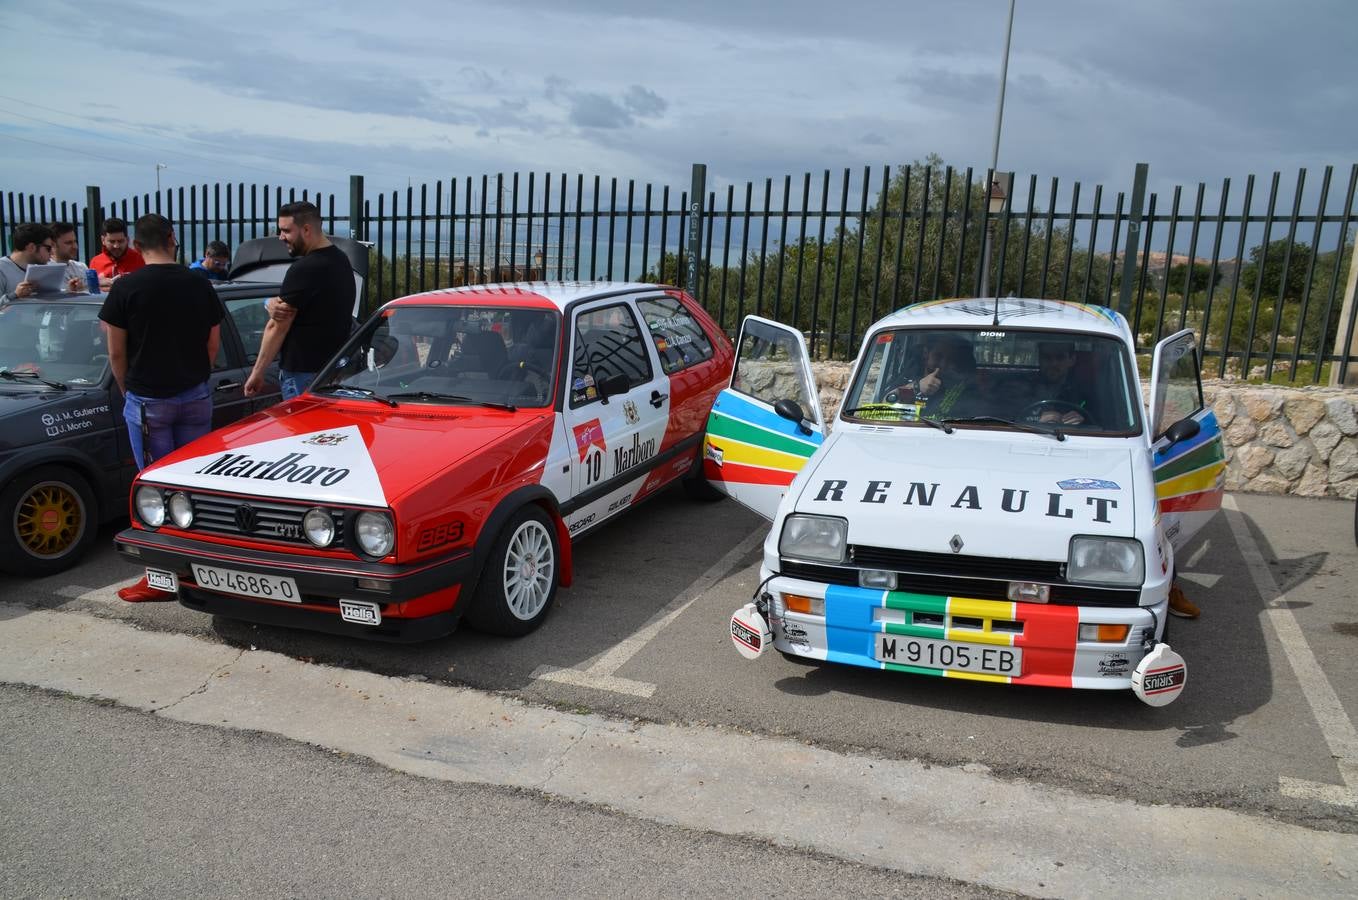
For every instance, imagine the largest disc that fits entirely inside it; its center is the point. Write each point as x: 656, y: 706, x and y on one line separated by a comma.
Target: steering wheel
x: 905, y: 392
x: 520, y: 371
x: 1033, y: 411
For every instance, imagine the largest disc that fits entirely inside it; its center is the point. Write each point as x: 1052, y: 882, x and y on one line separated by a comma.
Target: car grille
x: 951, y: 575
x: 273, y: 521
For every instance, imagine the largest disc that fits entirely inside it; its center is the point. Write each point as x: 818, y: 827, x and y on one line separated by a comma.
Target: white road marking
x: 106, y: 594
x: 600, y: 674
x: 1335, y: 725
x: 1196, y: 556
x: 1206, y: 579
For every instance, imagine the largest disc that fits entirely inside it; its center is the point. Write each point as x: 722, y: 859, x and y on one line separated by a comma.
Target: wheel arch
x: 83, y: 465
x: 536, y: 495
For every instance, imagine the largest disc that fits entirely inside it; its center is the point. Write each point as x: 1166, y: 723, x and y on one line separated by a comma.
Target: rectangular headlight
x: 877, y: 578
x: 1117, y: 562
x: 822, y: 538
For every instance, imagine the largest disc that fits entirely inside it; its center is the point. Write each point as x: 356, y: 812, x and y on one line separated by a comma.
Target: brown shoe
x: 1181, y: 606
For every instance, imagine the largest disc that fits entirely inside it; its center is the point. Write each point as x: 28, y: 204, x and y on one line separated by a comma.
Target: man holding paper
x: 32, y: 247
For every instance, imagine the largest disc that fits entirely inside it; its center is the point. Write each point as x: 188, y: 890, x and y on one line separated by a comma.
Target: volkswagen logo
x: 245, y: 518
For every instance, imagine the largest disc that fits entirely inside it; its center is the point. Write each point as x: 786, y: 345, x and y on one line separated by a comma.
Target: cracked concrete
x: 929, y: 820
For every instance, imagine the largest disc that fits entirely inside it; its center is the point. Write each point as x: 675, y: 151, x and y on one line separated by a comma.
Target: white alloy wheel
x: 529, y: 570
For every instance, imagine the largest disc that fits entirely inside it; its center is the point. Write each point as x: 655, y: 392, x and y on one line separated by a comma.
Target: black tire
x: 526, y: 548
x: 695, y: 483
x: 50, y: 519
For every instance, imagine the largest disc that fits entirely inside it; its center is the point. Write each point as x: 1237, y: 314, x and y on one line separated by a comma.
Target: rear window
x: 679, y: 340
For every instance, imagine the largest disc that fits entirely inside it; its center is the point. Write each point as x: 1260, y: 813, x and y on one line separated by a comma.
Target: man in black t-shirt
x: 312, y: 315
x: 164, y: 328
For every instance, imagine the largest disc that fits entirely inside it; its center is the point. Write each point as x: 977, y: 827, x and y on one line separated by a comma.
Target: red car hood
x: 333, y: 452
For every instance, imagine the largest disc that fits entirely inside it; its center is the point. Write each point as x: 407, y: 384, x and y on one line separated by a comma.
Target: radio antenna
x: 995, y: 323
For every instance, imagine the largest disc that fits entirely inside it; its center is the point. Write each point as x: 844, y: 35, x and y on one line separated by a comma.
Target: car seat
x: 483, y: 354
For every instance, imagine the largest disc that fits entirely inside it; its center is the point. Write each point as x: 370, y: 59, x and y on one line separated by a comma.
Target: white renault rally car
x: 993, y: 502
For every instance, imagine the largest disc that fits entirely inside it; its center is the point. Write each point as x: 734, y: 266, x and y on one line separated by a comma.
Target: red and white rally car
x: 441, y: 465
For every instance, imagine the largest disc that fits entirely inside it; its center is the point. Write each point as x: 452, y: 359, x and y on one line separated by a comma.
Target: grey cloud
x: 644, y: 102
x: 873, y: 140
x: 590, y: 110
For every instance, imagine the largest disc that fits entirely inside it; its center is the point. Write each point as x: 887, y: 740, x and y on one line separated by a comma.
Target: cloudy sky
x: 307, y: 94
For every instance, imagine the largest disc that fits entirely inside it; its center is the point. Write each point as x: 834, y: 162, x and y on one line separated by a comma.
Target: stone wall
x: 1301, y: 441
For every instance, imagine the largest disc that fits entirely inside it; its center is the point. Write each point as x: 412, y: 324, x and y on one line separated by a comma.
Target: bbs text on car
x: 441, y: 465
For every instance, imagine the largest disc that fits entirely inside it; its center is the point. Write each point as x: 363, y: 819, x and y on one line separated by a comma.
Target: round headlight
x: 319, y: 527
x: 375, y: 533
x: 150, y: 506
x: 181, y: 509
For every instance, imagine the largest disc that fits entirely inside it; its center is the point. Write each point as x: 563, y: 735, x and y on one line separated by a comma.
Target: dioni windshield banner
x: 326, y: 466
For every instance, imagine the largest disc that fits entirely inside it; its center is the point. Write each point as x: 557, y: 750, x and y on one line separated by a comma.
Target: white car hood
x: 996, y: 495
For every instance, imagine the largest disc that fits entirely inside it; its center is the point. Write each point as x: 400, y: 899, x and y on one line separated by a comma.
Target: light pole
x: 159, y: 166
x: 995, y: 198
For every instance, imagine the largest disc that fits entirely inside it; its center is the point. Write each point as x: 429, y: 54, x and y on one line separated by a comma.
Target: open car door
x: 1188, y: 455
x: 751, y: 452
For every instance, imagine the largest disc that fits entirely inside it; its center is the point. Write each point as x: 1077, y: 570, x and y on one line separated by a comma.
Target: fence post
x: 1344, y: 370
x: 1129, y: 253
x: 695, y: 228
x: 94, y: 220
x: 356, y: 231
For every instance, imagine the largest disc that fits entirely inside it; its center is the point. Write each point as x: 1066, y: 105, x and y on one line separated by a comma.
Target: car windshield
x: 53, y: 342
x: 1036, y: 380
x: 451, y: 355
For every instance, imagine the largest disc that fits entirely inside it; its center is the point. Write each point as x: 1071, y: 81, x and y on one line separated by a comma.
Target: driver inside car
x: 946, y: 386
x: 1055, y: 394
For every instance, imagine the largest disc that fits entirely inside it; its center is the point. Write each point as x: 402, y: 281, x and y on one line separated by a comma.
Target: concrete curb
x: 952, y: 823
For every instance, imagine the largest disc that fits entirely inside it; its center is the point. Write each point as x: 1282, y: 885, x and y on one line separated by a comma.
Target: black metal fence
x: 1259, y: 272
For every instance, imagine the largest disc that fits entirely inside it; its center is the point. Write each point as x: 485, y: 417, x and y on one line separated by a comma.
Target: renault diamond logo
x: 245, y: 518
x: 955, y: 543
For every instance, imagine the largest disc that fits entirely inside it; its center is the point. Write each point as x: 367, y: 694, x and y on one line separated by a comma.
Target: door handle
x: 658, y: 399
x: 227, y: 385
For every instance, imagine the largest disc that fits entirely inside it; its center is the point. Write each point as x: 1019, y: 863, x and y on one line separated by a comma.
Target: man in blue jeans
x: 312, y: 315
x: 164, y: 327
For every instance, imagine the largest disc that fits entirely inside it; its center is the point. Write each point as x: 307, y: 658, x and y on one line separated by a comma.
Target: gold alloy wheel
x: 49, y: 519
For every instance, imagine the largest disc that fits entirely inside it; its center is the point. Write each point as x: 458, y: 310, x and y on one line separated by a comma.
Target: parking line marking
x: 600, y: 674
x: 1335, y: 725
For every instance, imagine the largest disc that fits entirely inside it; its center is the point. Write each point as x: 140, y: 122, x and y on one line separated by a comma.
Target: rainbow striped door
x: 1189, y: 473
x: 751, y: 452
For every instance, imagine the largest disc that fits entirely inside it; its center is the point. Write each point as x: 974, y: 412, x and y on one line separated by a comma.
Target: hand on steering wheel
x: 1063, y: 413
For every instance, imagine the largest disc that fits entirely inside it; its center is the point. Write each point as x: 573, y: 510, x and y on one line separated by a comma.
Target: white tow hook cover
x: 1160, y: 677
x: 750, y: 631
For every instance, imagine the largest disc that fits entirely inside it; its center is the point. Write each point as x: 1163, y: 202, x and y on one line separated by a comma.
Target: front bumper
x: 1052, y: 654
x: 419, y: 604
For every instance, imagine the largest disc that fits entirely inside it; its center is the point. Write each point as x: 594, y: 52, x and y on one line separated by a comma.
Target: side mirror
x: 792, y: 411
x: 1182, y: 430
x: 613, y: 385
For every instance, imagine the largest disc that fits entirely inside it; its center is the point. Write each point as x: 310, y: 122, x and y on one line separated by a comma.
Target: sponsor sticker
x: 750, y: 631
x: 1160, y: 677
x: 360, y: 612
x: 629, y: 411
x: 1087, y: 484
x: 589, y: 435
x: 326, y: 439
x: 161, y: 580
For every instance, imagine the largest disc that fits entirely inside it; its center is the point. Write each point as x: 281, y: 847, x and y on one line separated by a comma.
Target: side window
x: 1181, y: 387
x: 769, y: 367
x: 679, y: 340
x: 249, y: 317
x: 607, y: 342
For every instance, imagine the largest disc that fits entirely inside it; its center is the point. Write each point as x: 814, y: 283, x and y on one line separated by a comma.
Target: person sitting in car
x: 1054, y: 394
x: 946, y: 386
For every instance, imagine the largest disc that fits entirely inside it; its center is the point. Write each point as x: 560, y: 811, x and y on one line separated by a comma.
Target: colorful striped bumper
x: 1052, y: 655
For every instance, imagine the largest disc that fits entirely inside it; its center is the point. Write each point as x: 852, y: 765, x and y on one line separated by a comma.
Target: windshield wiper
x: 15, y: 376
x: 454, y: 398
x: 354, y: 389
x: 1034, y: 427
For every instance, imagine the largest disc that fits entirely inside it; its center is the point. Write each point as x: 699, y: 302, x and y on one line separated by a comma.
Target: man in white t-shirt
x: 66, y: 249
x: 32, y: 246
